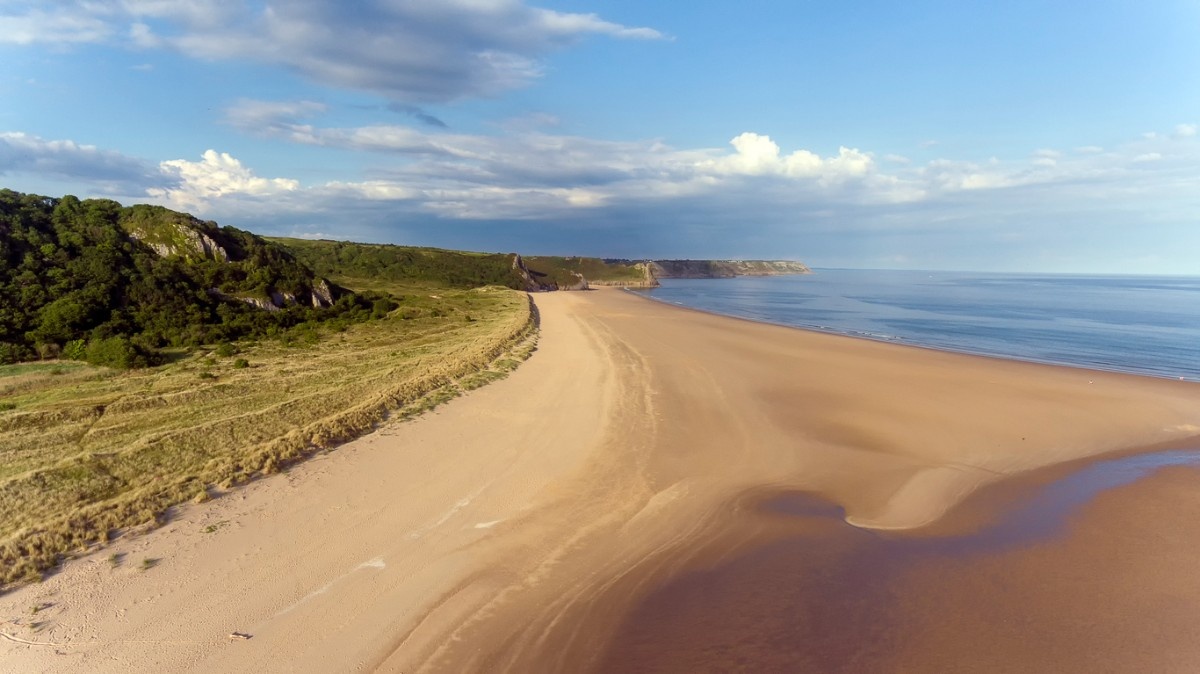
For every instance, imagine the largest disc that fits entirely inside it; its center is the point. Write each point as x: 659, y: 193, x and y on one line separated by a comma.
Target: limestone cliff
x: 242, y: 265
x: 530, y: 280
x: 645, y: 278
x: 725, y: 268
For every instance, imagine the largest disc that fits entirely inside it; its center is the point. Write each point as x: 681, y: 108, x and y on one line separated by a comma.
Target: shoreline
x: 901, y: 341
x: 493, y: 533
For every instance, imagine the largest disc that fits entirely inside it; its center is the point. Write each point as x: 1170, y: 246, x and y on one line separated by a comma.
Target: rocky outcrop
x: 647, y: 279
x: 263, y: 303
x: 232, y: 258
x: 185, y: 240
x: 322, y: 294
x: 580, y: 283
x: 532, y: 281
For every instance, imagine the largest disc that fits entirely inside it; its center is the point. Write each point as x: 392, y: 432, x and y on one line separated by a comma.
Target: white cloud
x: 216, y: 176
x: 756, y: 154
x: 1185, y: 130
x: 32, y: 23
x: 523, y: 173
x: 301, y: 234
x: 270, y: 117
x: 412, y: 51
x: 628, y: 189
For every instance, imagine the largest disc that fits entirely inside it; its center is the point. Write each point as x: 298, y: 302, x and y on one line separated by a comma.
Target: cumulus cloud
x: 216, y: 176
x: 522, y: 172
x: 1185, y: 130
x: 417, y: 51
x: 634, y: 190
x: 755, y: 154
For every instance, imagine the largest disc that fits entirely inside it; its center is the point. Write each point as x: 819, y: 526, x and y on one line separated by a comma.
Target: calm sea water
x: 1143, y: 324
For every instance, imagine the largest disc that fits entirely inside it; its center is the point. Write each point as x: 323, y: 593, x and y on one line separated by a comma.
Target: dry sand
x: 515, y: 528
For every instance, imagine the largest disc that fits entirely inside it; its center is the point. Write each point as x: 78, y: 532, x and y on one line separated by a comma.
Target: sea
x: 1146, y: 325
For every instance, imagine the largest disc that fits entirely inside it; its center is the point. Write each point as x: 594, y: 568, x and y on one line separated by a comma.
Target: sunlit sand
x: 516, y: 528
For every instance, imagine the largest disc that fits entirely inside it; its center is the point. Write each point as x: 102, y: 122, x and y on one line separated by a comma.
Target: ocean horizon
x: 1147, y: 325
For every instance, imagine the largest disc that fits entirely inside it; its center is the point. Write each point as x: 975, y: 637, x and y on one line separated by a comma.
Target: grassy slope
x: 340, y: 260
x: 86, y: 451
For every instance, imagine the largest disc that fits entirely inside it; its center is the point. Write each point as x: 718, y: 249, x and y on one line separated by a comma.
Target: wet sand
x: 529, y: 526
x: 1087, y: 579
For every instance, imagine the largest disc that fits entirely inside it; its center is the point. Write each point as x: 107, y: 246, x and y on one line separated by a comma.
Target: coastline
x: 1157, y: 370
x: 490, y: 534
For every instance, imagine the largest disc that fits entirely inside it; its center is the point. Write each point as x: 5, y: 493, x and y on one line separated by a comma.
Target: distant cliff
x: 725, y: 268
x: 645, y: 274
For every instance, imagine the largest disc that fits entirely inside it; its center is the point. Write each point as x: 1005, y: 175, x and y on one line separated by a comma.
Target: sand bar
x: 489, y: 535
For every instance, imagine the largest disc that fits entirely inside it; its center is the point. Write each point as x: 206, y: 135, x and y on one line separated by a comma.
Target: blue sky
x: 1022, y: 136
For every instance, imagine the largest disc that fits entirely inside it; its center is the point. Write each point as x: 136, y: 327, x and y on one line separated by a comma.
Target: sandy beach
x: 518, y: 528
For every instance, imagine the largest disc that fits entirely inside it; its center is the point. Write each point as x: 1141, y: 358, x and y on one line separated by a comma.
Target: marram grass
x: 87, y: 452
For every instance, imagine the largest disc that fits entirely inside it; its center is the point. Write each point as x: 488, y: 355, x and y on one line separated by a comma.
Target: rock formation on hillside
x: 536, y: 281
x: 284, y: 281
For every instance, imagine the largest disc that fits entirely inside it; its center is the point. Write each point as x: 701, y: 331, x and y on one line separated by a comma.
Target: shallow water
x: 816, y: 594
x: 1141, y: 324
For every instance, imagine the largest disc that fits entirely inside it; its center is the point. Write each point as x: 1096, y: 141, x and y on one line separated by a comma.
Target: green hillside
x: 349, y: 262
x: 110, y: 284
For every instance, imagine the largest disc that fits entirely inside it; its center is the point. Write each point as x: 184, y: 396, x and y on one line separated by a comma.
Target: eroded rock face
x: 172, y: 234
x: 322, y: 294
x: 183, y: 241
x: 282, y: 299
x: 648, y: 279
x: 532, y: 280
x: 260, y: 302
x: 580, y: 283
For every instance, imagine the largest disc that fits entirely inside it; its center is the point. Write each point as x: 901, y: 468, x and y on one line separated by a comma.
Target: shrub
x: 382, y: 306
x: 76, y: 349
x: 241, y: 363
x: 11, y: 353
x: 226, y: 350
x: 116, y: 352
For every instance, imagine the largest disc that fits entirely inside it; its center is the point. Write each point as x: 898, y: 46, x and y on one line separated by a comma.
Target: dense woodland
x: 456, y: 269
x: 74, y: 283
x: 340, y: 259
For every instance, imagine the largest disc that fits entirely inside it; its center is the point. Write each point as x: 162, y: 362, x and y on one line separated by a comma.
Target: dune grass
x: 87, y: 452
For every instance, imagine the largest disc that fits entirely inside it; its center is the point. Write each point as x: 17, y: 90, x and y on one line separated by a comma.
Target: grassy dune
x: 86, y: 452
